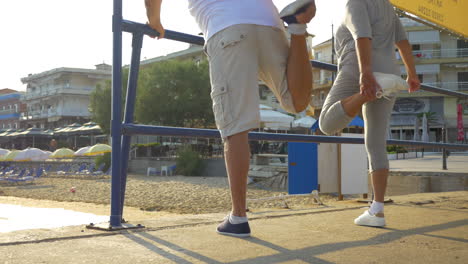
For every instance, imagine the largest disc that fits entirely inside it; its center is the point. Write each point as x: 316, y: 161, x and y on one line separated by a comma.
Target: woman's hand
x: 368, y: 85
x: 413, y: 82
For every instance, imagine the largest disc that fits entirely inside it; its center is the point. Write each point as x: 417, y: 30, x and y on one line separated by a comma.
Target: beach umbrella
x: 425, y: 134
x: 306, y: 121
x: 275, y: 120
x: 7, y: 132
x: 2, y: 157
x: 4, y: 151
x: 10, y: 156
x: 33, y: 132
x: 67, y: 129
x: 416, y: 137
x: 15, y: 133
x: 98, y: 149
x: 82, y: 151
x: 31, y: 154
x: 62, y: 153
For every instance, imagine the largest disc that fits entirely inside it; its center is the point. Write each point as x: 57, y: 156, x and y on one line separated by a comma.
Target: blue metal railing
x: 122, y: 132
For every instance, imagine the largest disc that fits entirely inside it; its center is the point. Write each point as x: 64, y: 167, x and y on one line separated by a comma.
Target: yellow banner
x: 450, y: 14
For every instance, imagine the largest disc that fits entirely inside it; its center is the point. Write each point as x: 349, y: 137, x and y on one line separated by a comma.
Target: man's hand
x: 368, y: 85
x: 306, y: 17
x: 413, y: 82
x: 153, y: 11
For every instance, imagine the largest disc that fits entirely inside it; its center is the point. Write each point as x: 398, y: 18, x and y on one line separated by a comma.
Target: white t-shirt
x: 213, y: 16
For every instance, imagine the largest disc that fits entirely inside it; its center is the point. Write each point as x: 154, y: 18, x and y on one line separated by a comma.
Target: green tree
x: 101, y: 102
x: 100, y: 106
x: 175, y: 93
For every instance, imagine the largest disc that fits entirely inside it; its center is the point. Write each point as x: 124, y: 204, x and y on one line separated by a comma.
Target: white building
x: 442, y: 61
x: 61, y: 96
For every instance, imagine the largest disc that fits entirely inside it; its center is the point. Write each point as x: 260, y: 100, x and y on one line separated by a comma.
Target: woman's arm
x: 153, y: 12
x: 368, y: 84
x: 406, y: 53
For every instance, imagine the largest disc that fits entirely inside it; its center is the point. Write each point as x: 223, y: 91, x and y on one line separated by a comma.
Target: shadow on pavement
x: 305, y: 254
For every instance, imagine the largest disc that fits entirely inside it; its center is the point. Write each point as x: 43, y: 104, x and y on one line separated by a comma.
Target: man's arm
x: 367, y: 82
x: 153, y: 12
x: 406, y: 53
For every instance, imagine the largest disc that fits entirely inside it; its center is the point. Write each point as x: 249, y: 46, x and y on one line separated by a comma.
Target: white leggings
x: 376, y: 116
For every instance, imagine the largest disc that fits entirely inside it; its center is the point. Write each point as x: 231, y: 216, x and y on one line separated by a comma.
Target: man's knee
x: 300, y: 106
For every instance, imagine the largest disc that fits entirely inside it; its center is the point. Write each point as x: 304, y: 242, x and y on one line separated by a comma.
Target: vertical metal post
x: 137, y: 43
x: 116, y: 122
x: 444, y: 151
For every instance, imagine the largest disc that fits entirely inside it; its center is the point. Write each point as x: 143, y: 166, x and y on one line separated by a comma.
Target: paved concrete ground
x: 456, y: 163
x: 422, y: 228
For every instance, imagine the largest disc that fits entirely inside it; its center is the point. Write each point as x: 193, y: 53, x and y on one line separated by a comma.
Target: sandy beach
x: 173, y: 194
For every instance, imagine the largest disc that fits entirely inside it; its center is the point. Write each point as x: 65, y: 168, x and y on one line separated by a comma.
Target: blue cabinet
x: 302, y: 168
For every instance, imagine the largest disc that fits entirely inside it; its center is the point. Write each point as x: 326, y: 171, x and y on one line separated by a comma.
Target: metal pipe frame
x: 121, y: 132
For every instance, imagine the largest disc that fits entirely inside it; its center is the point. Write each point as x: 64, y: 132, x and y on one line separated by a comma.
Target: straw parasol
x: 62, y: 153
x: 98, y: 149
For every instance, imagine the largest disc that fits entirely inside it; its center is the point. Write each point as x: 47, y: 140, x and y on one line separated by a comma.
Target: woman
x: 368, y: 79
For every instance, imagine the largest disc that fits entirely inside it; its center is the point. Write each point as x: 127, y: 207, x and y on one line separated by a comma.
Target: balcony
x: 455, y: 86
x: 57, y: 91
x: 439, y: 54
x: 8, y: 111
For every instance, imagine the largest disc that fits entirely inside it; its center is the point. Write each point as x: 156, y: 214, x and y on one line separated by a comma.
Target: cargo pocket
x: 232, y: 38
x: 221, y: 105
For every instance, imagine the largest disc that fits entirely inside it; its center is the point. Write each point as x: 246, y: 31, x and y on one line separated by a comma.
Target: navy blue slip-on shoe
x: 288, y: 14
x: 235, y: 230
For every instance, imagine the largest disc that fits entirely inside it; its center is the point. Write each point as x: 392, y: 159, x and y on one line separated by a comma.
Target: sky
x: 37, y: 36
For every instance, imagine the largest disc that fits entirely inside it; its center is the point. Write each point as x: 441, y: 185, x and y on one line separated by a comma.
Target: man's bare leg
x: 299, y: 73
x: 237, y: 157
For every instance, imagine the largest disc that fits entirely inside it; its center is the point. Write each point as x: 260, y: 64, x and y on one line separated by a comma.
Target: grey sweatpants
x: 376, y: 116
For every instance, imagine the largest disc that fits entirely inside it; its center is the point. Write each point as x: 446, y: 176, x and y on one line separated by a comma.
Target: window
x: 420, y: 77
x: 318, y: 55
x: 463, y: 80
x: 264, y: 91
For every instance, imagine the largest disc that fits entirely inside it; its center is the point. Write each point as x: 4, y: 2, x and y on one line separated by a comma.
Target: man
x: 245, y: 41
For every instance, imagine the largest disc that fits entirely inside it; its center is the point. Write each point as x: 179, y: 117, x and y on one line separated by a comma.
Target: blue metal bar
x: 134, y: 27
x: 116, y: 129
x: 137, y: 43
x: 132, y: 129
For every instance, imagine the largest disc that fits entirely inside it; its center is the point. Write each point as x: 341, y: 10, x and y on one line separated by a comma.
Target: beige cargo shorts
x: 239, y: 57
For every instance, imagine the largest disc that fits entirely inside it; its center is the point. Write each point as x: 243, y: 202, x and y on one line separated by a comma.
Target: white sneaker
x: 288, y: 13
x: 366, y: 219
x: 391, y: 84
